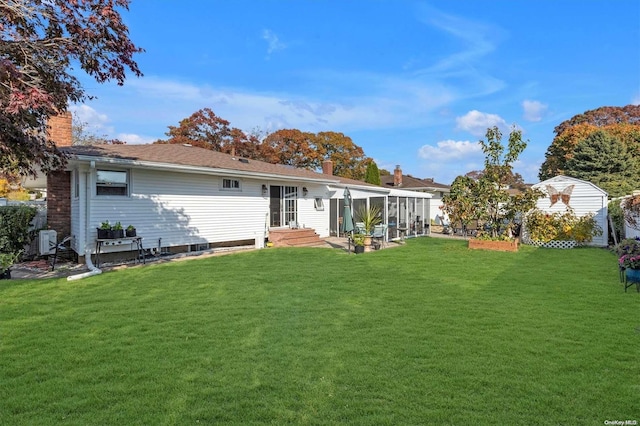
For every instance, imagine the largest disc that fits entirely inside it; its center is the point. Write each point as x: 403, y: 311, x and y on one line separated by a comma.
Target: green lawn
x: 427, y: 333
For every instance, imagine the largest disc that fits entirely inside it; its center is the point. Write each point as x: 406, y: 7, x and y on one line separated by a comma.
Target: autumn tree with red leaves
x: 291, y: 147
x: 294, y: 148
x: 621, y: 123
x: 205, y: 129
x: 39, y: 40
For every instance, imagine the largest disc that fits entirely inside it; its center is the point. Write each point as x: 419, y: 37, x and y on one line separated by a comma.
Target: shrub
x: 14, y: 228
x: 558, y: 226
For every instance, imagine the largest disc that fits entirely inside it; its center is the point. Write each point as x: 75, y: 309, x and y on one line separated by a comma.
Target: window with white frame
x: 112, y: 182
x: 318, y: 204
x: 76, y: 184
x: 229, y: 184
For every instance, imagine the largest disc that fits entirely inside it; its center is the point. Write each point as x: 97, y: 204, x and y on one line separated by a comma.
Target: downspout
x: 87, y: 250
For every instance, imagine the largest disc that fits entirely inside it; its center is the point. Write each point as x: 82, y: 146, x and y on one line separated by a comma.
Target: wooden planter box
x: 493, y: 245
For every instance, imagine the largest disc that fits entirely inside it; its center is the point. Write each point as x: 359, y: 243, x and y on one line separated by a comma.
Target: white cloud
x: 477, y: 123
x: 533, y: 110
x: 89, y: 116
x: 450, y: 150
x: 92, y: 121
x: 133, y: 139
x: 387, y: 102
x: 636, y: 99
x: 273, y: 42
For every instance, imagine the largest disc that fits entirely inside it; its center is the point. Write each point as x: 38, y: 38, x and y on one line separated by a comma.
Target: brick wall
x: 59, y: 203
x: 59, y: 183
x: 60, y: 130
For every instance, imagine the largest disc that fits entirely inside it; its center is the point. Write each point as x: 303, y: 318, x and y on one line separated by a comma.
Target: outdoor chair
x: 379, y: 234
x: 63, y: 249
x: 360, y: 229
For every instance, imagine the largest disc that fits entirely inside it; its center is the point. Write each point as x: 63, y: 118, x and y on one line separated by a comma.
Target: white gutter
x: 87, y: 251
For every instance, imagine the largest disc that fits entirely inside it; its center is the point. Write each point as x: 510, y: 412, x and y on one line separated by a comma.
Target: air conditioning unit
x: 47, y: 241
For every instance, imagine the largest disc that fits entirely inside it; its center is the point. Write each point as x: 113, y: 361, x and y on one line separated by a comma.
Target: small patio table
x: 110, y: 242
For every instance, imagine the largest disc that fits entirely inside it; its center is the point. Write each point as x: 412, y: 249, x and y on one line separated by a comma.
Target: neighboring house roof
x: 190, y: 158
x: 411, y: 183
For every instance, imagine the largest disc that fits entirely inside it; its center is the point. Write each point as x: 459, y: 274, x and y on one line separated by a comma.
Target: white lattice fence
x: 560, y: 244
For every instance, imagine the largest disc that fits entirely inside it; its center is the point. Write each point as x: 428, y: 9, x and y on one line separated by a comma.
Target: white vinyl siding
x: 184, y: 208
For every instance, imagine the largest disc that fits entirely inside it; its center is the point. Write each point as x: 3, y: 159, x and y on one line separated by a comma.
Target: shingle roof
x: 409, y: 182
x: 191, y: 156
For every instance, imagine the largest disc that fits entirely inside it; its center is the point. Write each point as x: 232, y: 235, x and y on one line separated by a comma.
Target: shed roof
x: 571, y: 180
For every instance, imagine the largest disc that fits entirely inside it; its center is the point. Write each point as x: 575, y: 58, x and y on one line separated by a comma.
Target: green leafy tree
x: 486, y: 197
x: 498, y: 171
x: 462, y: 204
x: 602, y: 160
x: 372, y: 174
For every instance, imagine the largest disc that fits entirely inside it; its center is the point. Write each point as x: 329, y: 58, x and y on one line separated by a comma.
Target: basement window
x: 112, y: 182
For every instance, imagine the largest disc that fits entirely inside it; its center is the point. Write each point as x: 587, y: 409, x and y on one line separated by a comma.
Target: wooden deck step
x: 304, y: 237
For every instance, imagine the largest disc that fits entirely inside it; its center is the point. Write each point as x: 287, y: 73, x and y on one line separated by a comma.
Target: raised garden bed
x: 477, y: 244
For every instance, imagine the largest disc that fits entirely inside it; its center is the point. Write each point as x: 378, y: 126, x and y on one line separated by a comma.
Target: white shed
x: 582, y: 196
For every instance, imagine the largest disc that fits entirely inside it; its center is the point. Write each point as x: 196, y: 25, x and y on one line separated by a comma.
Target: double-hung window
x: 112, y: 182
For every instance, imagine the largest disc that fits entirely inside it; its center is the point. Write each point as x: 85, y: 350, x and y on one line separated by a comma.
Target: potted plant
x: 130, y: 231
x: 628, y: 251
x: 6, y: 260
x: 358, y: 242
x: 631, y: 265
x: 104, y: 231
x: 118, y: 231
x: 370, y: 217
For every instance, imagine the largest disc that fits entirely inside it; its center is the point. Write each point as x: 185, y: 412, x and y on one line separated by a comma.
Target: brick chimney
x: 397, y: 176
x: 60, y: 130
x: 327, y: 167
x: 59, y: 182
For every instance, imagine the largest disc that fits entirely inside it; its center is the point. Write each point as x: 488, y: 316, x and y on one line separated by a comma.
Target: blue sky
x: 414, y: 83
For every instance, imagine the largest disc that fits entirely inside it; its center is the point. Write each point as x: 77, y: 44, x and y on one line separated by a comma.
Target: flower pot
x: 103, y: 233
x: 633, y: 275
x: 358, y: 249
x: 130, y: 233
x: 6, y: 275
x: 117, y: 233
